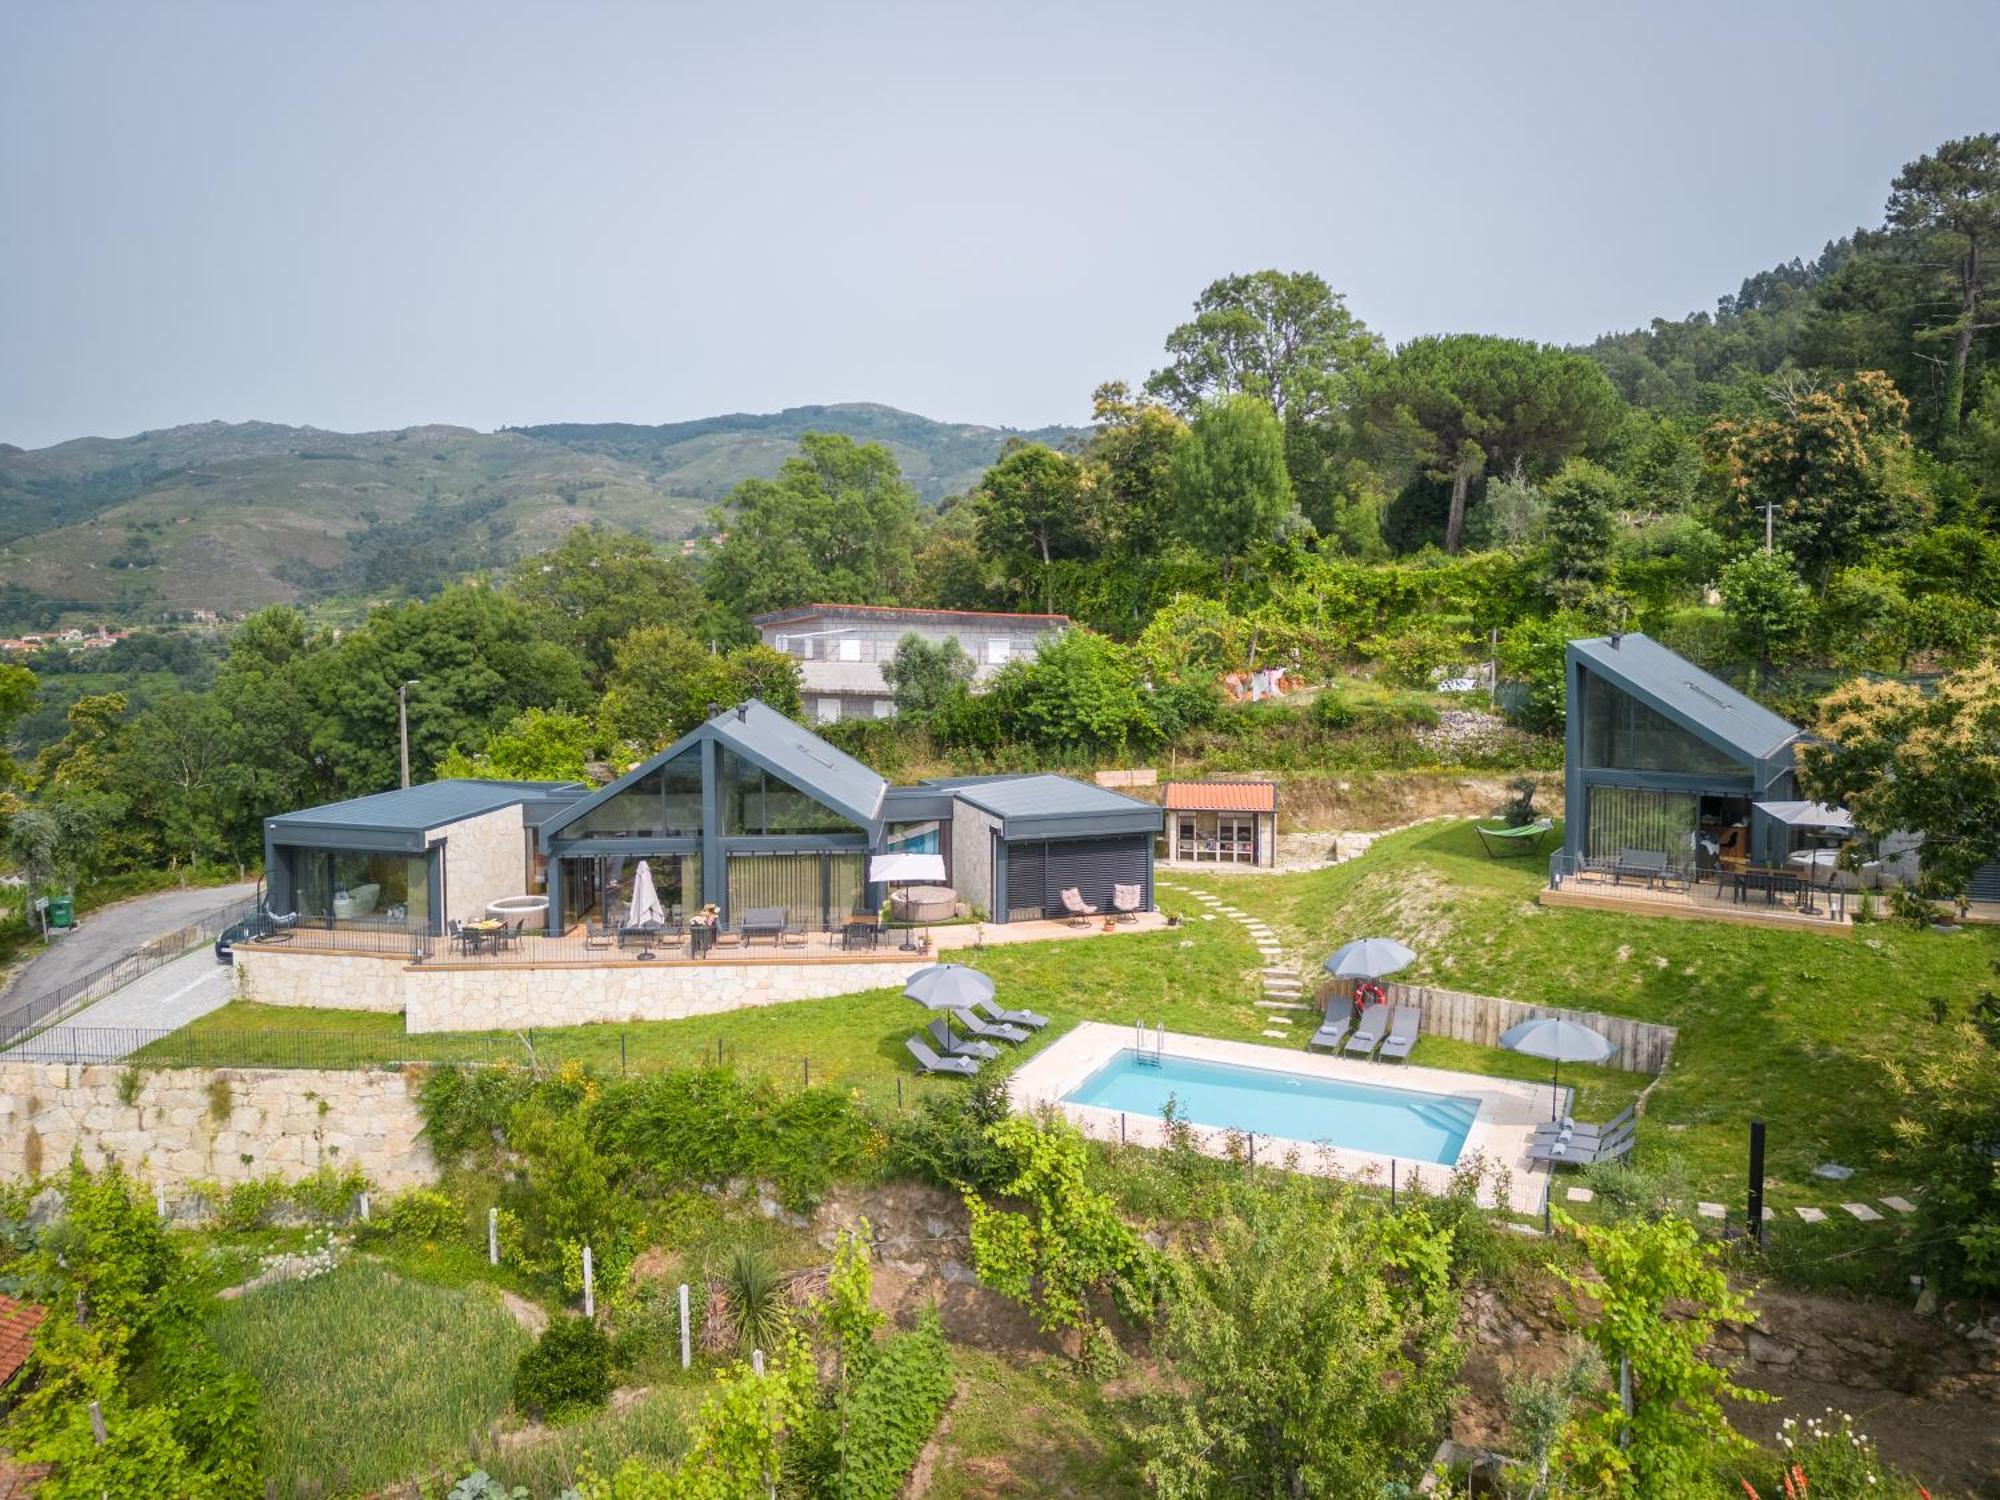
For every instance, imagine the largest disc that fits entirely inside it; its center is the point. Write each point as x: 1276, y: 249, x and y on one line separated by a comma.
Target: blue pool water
x: 1293, y: 1106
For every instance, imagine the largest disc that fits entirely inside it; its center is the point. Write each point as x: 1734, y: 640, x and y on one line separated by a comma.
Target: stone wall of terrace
x: 442, y: 996
x: 225, y: 1125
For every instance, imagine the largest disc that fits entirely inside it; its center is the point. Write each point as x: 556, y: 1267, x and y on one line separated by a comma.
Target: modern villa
x: 750, y: 840
x: 841, y: 648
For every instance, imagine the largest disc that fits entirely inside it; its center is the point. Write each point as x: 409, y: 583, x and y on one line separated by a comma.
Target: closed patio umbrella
x: 644, y: 909
x: 948, y: 987
x: 1368, y: 958
x: 1558, y: 1041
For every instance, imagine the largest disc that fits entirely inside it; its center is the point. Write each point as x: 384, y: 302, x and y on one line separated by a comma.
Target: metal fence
x: 1818, y: 897
x: 65, y: 999
x: 595, y: 946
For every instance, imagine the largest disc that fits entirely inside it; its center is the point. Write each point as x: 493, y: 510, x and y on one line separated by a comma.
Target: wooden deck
x: 1700, y: 905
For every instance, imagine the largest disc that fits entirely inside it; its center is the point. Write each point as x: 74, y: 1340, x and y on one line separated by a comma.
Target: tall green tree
x: 926, y: 675
x: 1230, y: 485
x: 665, y: 682
x: 1284, y: 337
x: 1130, y: 460
x: 1770, y: 612
x: 596, y: 586
x: 1949, y: 202
x: 1580, y: 500
x: 478, y: 657
x: 1031, y: 514
x: 1461, y: 406
x: 1308, y: 1346
x: 1833, y: 463
x: 838, y: 524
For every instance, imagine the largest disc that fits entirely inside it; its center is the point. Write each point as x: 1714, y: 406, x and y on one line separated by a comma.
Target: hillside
x: 230, y: 516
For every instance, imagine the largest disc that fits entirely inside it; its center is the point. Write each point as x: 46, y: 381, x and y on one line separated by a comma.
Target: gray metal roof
x: 1049, y: 806
x: 789, y: 749
x: 417, y: 809
x: 1677, y: 686
x: 764, y: 737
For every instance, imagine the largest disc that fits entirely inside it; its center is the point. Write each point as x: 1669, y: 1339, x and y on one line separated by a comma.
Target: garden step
x: 1580, y: 1195
x: 1812, y: 1215
x: 1901, y: 1205
x: 1285, y: 1034
x: 1282, y: 1005
x: 1710, y: 1210
x: 1862, y: 1212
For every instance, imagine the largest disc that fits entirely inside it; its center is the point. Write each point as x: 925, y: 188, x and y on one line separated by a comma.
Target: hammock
x: 1502, y: 843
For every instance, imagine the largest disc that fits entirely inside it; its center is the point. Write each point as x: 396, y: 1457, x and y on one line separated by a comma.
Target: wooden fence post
x: 687, y: 1356
x: 493, y: 1236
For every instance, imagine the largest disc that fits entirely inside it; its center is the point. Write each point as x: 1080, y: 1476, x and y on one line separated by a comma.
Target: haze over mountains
x: 229, y: 516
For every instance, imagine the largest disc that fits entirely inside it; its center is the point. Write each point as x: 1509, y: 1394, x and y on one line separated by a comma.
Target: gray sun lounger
x: 1000, y: 1032
x: 1404, y: 1023
x: 1368, y: 1030
x: 1007, y: 1017
x: 953, y: 1045
x: 1583, y: 1153
x: 929, y: 1062
x: 1572, y: 1130
x: 1333, y: 1030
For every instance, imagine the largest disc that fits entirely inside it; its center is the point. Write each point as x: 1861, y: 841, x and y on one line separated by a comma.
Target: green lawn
x: 367, y: 1378
x: 1792, y: 1027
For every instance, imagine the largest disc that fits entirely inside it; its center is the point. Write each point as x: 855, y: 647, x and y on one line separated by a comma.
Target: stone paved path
x: 1283, y: 994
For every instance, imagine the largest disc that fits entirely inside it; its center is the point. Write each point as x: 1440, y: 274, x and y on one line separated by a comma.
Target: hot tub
x: 924, y: 903
x: 518, y: 906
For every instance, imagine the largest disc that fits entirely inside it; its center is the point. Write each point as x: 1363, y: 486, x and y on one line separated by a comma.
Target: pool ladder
x: 1149, y: 1050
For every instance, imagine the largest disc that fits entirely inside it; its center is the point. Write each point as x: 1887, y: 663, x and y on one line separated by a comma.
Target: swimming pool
x: 1292, y: 1106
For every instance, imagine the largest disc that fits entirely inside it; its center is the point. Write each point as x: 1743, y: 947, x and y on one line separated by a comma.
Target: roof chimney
x: 1615, y: 635
x: 742, y: 712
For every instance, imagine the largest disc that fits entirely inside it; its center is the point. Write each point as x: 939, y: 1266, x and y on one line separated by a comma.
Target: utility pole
x: 403, y: 724
x: 1769, y: 508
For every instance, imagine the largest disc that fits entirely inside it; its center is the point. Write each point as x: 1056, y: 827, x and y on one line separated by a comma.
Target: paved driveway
x: 127, y: 1019
x: 111, y: 932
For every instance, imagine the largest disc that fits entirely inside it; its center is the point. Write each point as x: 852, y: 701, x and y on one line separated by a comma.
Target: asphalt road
x: 127, y: 1019
x: 113, y: 931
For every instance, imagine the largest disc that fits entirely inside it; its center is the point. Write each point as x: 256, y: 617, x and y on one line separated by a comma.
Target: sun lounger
x: 1080, y: 911
x: 953, y: 1045
x: 1572, y: 1130
x: 929, y: 1062
x: 1368, y: 1030
x: 1582, y: 1153
x: 1333, y: 1030
x: 1126, y: 900
x: 1404, y: 1023
x: 1007, y: 1017
x: 992, y: 1032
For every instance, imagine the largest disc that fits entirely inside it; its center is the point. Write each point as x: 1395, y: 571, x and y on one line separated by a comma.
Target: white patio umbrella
x: 645, y: 907
x: 1368, y: 958
x: 1558, y: 1041
x: 905, y: 870
x: 948, y: 986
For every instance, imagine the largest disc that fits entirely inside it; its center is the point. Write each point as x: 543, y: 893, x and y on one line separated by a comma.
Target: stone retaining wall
x: 508, y: 997
x: 226, y: 1125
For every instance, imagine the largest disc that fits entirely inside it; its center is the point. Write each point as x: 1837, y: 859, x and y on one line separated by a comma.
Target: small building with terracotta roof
x: 18, y: 1322
x: 1222, y: 822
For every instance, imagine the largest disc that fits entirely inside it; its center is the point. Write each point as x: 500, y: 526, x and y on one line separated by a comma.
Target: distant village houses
x: 841, y: 648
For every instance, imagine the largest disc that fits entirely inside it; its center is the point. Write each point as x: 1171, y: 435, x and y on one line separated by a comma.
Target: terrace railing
x: 599, y: 946
x: 1801, y: 893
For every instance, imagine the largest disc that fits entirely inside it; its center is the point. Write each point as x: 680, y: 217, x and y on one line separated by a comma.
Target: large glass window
x: 755, y: 802
x: 676, y: 880
x: 815, y: 890
x: 921, y: 838
x: 1624, y: 817
x: 1621, y: 733
x: 354, y: 888
x: 664, y: 803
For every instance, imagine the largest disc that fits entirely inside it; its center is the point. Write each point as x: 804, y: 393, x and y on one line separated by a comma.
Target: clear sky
x: 370, y: 215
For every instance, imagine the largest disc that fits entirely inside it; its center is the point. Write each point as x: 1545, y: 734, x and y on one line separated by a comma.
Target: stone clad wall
x: 332, y: 981
x: 503, y: 998
x: 972, y: 857
x: 226, y: 1125
x: 446, y: 997
x: 485, y: 858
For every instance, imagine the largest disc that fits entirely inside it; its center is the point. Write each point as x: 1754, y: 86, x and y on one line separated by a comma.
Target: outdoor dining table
x: 472, y: 936
x: 859, y: 932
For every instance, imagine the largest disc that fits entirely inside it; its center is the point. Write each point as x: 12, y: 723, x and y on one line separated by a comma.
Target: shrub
x: 890, y: 1411
x: 945, y: 1139
x: 1333, y: 711
x: 678, y: 1129
x: 810, y: 1138
x: 424, y: 1216
x: 565, y: 1372
x: 756, y: 1299
x: 1826, y: 1458
x: 466, y: 1109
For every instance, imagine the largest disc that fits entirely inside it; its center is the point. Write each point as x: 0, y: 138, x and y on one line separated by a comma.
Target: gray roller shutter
x: 1037, y: 873
x: 1985, y: 883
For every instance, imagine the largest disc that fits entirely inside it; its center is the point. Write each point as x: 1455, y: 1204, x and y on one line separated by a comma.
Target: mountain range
x: 227, y: 516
